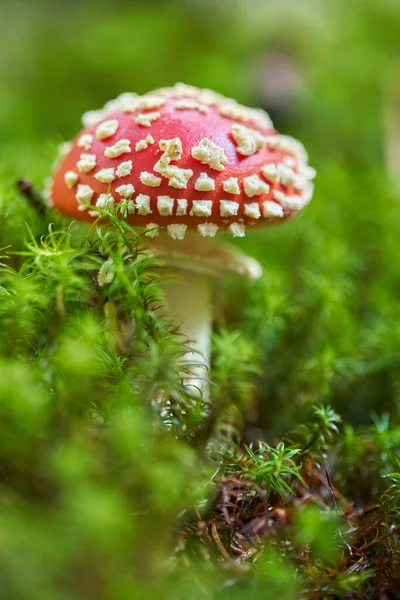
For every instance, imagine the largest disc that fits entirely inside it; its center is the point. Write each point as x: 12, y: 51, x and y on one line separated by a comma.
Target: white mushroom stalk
x: 188, y: 302
x: 191, y: 268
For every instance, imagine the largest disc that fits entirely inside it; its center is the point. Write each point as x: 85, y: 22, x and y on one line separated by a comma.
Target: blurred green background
x: 324, y: 321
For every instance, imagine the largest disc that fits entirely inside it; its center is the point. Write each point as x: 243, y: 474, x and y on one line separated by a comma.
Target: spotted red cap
x: 182, y: 158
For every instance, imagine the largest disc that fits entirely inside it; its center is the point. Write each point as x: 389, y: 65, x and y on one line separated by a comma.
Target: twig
x: 331, y: 491
x: 369, y: 509
x: 374, y: 543
x: 33, y: 197
x: 337, y: 495
x: 219, y: 544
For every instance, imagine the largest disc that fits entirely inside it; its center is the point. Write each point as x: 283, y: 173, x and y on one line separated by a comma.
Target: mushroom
x: 185, y: 163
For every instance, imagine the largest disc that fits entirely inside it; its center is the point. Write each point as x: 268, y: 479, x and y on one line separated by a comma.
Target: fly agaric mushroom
x: 184, y: 163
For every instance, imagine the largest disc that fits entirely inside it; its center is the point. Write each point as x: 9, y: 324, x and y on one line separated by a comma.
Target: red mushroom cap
x: 182, y: 158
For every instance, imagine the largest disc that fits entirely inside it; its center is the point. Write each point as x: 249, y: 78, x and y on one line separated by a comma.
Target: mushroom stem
x: 188, y: 302
x: 193, y: 264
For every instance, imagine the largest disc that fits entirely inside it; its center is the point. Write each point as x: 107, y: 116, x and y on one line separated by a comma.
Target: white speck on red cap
x: 146, y: 119
x: 182, y: 207
x: 105, y: 175
x: 91, y: 117
x: 172, y: 150
x: 47, y: 191
x: 233, y: 110
x: 85, y: 141
x: 120, y: 147
x: 142, y: 203
x: 270, y: 172
x: 150, y: 179
x: 153, y: 230
x: 105, y: 201
x: 107, y: 129
x: 279, y: 196
x: 63, y: 149
x: 231, y: 186
x: 249, y: 141
x: 272, y: 209
x: 179, y: 90
x: 252, y: 210
x: 127, y: 102
x: 290, y: 161
x: 286, y: 174
x: 254, y: 186
x: 84, y: 194
x: 86, y: 162
x: 201, y: 208
x: 144, y: 143
x: 177, y: 231
x: 292, y: 202
x: 204, y: 183
x: 210, y: 154
x: 126, y: 191
x: 237, y: 229
x: 124, y: 169
x: 288, y: 144
x: 307, y: 171
x: 71, y: 179
x: 300, y: 182
x: 207, y: 229
x: 190, y: 104
x: 165, y: 205
x: 228, y: 208
x: 177, y: 178
x: 149, y: 102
